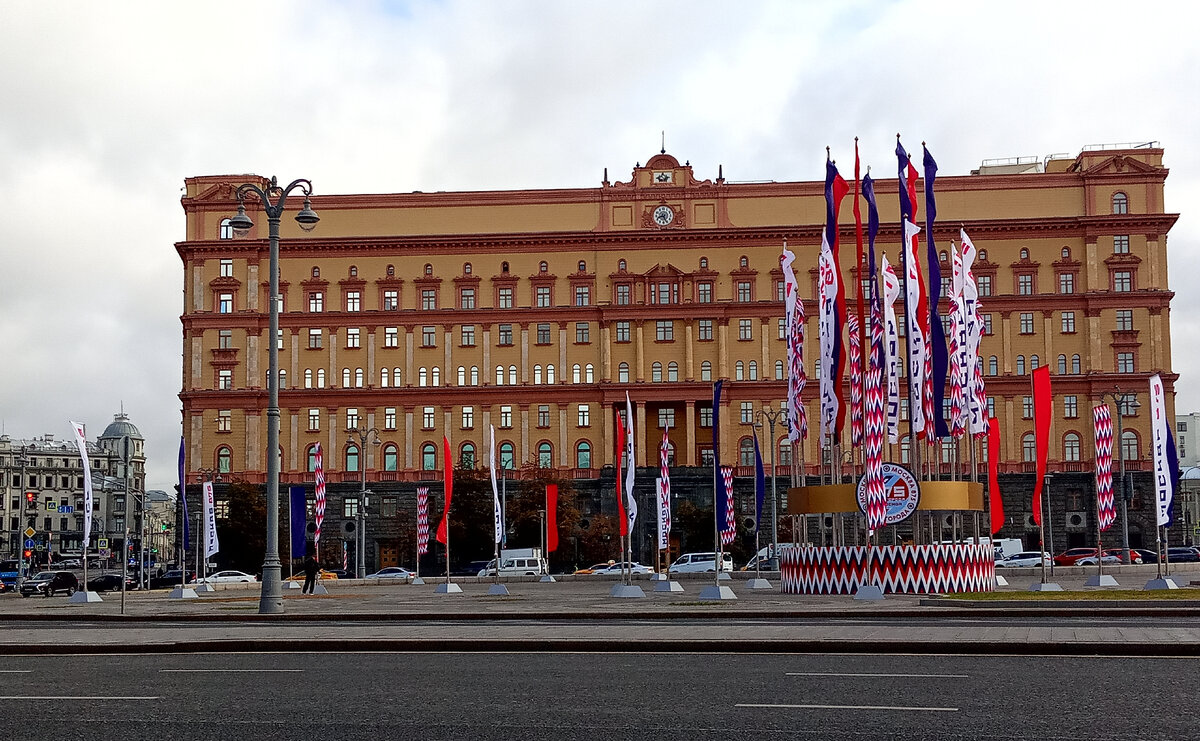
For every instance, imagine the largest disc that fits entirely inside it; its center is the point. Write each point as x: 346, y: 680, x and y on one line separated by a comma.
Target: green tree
x: 243, y: 534
x: 471, y: 523
x: 524, y: 518
x: 599, y: 541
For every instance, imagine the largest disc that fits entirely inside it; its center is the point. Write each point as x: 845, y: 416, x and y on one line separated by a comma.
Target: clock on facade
x: 663, y: 215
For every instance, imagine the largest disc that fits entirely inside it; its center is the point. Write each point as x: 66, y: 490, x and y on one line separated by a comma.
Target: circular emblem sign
x: 900, y: 491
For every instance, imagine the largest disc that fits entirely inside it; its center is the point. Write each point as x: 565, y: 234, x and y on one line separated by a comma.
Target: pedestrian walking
x: 310, y: 575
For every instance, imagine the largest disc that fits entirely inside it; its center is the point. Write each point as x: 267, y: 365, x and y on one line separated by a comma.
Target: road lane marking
x: 864, y: 674
x: 233, y: 671
x: 846, y: 707
x: 96, y: 698
x: 15, y: 671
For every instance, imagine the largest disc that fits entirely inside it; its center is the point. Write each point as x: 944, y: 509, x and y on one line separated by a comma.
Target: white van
x: 516, y: 567
x: 691, y: 563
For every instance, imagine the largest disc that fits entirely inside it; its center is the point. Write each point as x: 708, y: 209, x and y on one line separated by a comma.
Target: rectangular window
x: 466, y: 298
x: 314, y: 339
x: 226, y: 268
x: 350, y: 507
x: 504, y: 335
x: 353, y: 301
x: 622, y: 332
x: 428, y: 299
x: 389, y: 418
x: 466, y: 335
x: 352, y: 337
x: 987, y: 323
x: 1068, y: 322
x: 1066, y: 283
x: 984, y: 283
x: 505, y: 298
x: 225, y: 379
x: 391, y: 300
x: 743, y: 291
x: 543, y: 334
x: 316, y: 302
x: 468, y: 418
x: 543, y: 297
x: 1121, y: 244
x: 781, y: 290
x: 624, y: 295
x: 225, y: 303
x: 1122, y: 281
x: 543, y: 418
x: 1124, y: 320
x: 1025, y: 285
x: 782, y: 328
x: 225, y: 339
x: 664, y: 331
x: 391, y: 336
x: 1128, y: 405
x: 584, y: 417
x: 747, y: 412
x: 388, y: 507
x: 351, y: 418
x: 705, y: 294
x: 583, y: 295
x: 1027, y: 322
x: 427, y: 418
x: 1070, y: 407
x: 705, y: 417
x: 667, y: 293
x: 745, y: 329
x: 279, y: 339
x: 704, y: 330
x: 506, y: 416
x: 1027, y: 407
x: 666, y: 418
x: 1125, y: 362
x: 224, y: 420
x: 428, y: 336
x: 314, y: 420
x: 583, y: 332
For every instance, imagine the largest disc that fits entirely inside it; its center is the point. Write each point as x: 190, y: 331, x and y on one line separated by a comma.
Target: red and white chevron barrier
x: 902, y: 569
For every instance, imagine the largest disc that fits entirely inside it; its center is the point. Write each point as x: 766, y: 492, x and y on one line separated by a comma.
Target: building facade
x: 537, y: 311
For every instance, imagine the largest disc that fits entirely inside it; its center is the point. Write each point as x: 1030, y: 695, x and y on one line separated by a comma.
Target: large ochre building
x: 431, y: 314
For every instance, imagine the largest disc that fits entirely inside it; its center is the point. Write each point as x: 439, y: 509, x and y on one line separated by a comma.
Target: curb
x: 1127, y: 606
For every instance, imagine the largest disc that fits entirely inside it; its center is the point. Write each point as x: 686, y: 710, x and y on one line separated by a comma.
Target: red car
x: 1120, y: 553
x: 1071, y: 555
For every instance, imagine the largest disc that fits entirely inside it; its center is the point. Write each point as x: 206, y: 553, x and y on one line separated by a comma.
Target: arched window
x: 436, y: 374
x: 746, y: 452
x: 589, y: 374
x: 1062, y: 365
x: 1033, y: 362
x: 474, y: 375
x: 670, y: 453
x: 583, y: 454
x: 422, y: 377
x: 582, y: 266
x: 396, y: 377
x: 550, y: 373
x: 384, y: 377
x: 391, y: 271
x: 506, y: 456
x: 623, y: 373
x: 311, y: 455
x: 993, y: 366
x: 1129, y: 445
x: 462, y: 375
x: 785, y: 452
x: 428, y: 457
x: 1020, y: 365
x: 743, y: 262
x: 1024, y: 253
x: 753, y: 375
x: 905, y: 447
x: 545, y: 455
x: 621, y: 265
x: 351, y: 458
x: 358, y: 378
x: 656, y: 372
x: 778, y: 370
x: 224, y: 459
x: 308, y: 378
x: 1071, y: 446
x: 943, y: 256
x: 512, y: 375
x: 316, y: 272
x: 499, y: 375
x: 466, y: 455
x: 466, y: 268
x: 1075, y: 364
x: 226, y: 229
x: 576, y: 373
x: 543, y: 267
x: 537, y: 374
x: 428, y: 269
x: 1120, y: 203
x: 345, y: 378
x: 504, y: 267
x: 353, y: 271
x: 739, y: 371
x: 672, y: 371
x: 1066, y: 253
x: 282, y: 378
x: 391, y: 457
x: 1028, y: 448
x: 983, y: 255
x: 705, y: 371
x: 320, y: 378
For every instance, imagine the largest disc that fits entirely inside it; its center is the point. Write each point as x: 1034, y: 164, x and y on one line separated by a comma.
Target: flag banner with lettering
x: 1158, y: 439
x: 793, y: 307
x: 718, y: 479
x: 319, y: 489
x: 977, y: 416
x: 1043, y: 412
x: 874, y: 407
x: 959, y: 347
x: 622, y: 520
x: 81, y: 443
x: 760, y: 485
x: 834, y: 316
x: 422, y: 520
x: 297, y: 519
x: 211, y: 543
x: 663, y: 488
x: 1106, y: 503
x: 995, y: 500
x: 497, y: 512
x: 187, y: 531
x: 827, y: 334
x: 854, y: 334
x: 891, y: 350
x: 917, y: 305
x: 729, y: 526
x: 631, y: 509
x: 937, y: 334
x: 859, y: 330
x: 443, y: 534
x: 551, y: 518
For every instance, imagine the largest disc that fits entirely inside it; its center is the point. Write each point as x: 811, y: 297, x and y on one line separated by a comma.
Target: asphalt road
x: 585, y: 696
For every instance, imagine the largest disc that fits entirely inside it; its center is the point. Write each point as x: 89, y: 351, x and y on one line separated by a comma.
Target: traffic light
x: 29, y: 497
x: 28, y: 553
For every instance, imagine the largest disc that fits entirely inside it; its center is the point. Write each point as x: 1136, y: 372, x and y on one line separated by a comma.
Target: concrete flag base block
x: 547, y: 579
x: 319, y: 588
x: 204, y: 589
x: 868, y: 592
x: 658, y: 577
x: 498, y: 590
x: 291, y: 584
x: 450, y: 588
x: 626, y: 591
x: 1179, y: 581
x: 183, y: 593
x: 714, y: 593
x: 758, y: 584
x: 668, y: 586
x: 85, y: 596
x: 418, y: 581
x: 1001, y: 581
x: 1155, y: 584
x: 1101, y: 580
x: 724, y: 576
x: 1045, y: 586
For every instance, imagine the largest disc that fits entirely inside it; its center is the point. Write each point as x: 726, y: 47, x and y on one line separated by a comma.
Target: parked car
x: 111, y: 583
x: 1147, y: 556
x: 691, y: 563
x: 1025, y: 559
x: 1108, y: 559
x: 1071, y: 555
x: 171, y: 579
x: 392, y: 572
x: 1134, y: 556
x: 71, y: 563
x: 516, y: 567
x: 47, y: 583
x: 595, y: 567
x: 1183, y: 554
x: 469, y: 569
x: 621, y: 566
x: 228, y: 577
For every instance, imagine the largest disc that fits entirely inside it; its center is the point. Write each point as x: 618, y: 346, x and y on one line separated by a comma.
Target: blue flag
x: 297, y: 519
x: 937, y: 333
x: 760, y: 484
x: 187, y: 533
x: 716, y: 440
x: 1173, y: 470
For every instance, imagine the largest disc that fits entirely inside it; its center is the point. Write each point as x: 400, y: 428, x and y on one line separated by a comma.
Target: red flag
x: 448, y: 486
x: 620, y: 496
x: 1042, y: 412
x: 995, y: 503
x: 551, y: 518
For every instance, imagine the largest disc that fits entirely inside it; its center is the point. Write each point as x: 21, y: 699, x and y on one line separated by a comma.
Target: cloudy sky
x: 108, y: 106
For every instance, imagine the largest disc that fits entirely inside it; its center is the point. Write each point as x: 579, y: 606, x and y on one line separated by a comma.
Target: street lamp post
x: 771, y: 415
x: 364, y: 435
x: 24, y: 461
x: 271, y: 598
x: 1120, y: 399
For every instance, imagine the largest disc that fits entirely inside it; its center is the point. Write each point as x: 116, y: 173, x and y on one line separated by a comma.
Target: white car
x: 228, y: 577
x: 1091, y: 560
x: 692, y: 563
x: 70, y: 563
x: 1025, y: 558
x: 516, y: 567
x: 391, y: 572
x: 619, y: 568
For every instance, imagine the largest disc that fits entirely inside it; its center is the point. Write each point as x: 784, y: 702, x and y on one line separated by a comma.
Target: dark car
x: 47, y: 583
x: 171, y: 579
x: 470, y: 569
x: 1183, y: 555
x: 111, y: 583
x: 1146, y: 555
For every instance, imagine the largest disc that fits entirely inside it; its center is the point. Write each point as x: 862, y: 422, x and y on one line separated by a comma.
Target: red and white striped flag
x: 319, y: 466
x: 856, y: 379
x: 730, y: 530
x: 422, y: 520
x: 1106, y: 502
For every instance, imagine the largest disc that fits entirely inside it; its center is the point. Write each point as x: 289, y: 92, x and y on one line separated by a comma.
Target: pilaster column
x: 408, y: 362
x: 640, y: 432
x: 524, y: 353
x: 606, y: 373
x: 689, y: 354
x: 689, y: 456
x: 640, y: 353
x: 1006, y: 337
x: 723, y: 348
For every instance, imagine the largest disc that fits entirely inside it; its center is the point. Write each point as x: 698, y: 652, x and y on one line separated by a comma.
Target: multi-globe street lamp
x: 364, y: 435
x: 1122, y: 401
x: 771, y: 416
x: 271, y: 598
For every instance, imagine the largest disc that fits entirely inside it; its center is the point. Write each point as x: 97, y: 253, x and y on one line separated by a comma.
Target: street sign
x: 102, y: 543
x: 30, y: 532
x: 51, y: 507
x: 40, y: 547
x: 30, y: 543
x: 65, y: 509
x: 105, y: 553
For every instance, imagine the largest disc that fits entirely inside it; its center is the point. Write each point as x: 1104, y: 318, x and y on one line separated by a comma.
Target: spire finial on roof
x: 663, y: 148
